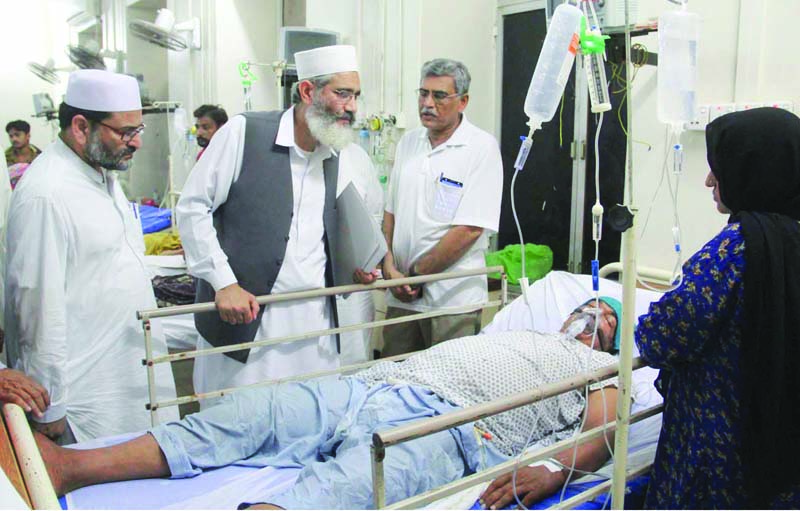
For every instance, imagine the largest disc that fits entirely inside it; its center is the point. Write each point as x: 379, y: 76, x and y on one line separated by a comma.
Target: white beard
x: 326, y: 130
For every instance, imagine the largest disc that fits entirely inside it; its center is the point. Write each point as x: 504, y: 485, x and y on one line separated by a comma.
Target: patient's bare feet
x: 53, y: 456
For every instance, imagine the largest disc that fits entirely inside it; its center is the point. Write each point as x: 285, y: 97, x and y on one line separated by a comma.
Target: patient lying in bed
x: 325, y: 425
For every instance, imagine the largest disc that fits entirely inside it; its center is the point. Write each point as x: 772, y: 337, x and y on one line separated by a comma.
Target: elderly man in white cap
x: 75, y: 273
x: 256, y: 217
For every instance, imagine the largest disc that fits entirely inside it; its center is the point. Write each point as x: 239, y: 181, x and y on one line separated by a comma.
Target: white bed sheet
x: 554, y: 297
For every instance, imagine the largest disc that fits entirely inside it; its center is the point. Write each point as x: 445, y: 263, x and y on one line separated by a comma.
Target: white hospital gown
x: 481, y: 368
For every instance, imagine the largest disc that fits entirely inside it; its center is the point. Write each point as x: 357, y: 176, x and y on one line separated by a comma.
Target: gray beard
x: 99, y: 155
x: 322, y: 125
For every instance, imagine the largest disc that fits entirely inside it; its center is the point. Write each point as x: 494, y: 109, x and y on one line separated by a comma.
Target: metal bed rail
x: 150, y: 361
x: 384, y: 439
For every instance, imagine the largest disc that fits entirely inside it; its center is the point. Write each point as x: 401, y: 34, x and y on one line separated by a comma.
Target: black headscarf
x: 755, y: 156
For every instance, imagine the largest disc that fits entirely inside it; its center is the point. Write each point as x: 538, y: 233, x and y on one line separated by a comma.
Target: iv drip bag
x: 678, y: 34
x: 554, y: 65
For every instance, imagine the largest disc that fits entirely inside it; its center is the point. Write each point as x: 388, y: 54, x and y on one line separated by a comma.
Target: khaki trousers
x: 424, y: 333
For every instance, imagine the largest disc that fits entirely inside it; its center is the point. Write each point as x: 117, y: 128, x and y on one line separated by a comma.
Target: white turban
x: 326, y: 60
x: 102, y: 91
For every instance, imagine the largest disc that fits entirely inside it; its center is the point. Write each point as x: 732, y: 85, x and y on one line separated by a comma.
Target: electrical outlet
x: 786, y: 105
x: 748, y: 106
x: 715, y: 111
x: 700, y: 120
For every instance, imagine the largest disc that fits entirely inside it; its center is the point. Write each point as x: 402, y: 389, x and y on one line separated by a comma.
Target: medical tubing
x: 544, y: 403
x: 677, y: 150
x: 516, y: 219
x: 597, y: 310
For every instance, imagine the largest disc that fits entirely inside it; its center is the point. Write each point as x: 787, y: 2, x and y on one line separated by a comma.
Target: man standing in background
x: 443, y: 202
x: 257, y: 216
x: 208, y: 119
x: 75, y: 272
x: 21, y: 150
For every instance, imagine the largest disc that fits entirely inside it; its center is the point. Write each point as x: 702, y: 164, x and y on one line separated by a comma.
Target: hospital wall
x: 21, y: 42
x: 395, y: 37
x: 742, y: 59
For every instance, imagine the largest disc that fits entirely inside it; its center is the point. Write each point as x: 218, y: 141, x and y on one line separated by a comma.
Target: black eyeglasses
x: 439, y: 96
x: 346, y: 95
x: 125, y: 134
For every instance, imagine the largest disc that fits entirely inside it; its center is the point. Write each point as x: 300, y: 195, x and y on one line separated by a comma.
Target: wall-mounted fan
x: 47, y: 71
x: 165, y: 32
x: 85, y: 57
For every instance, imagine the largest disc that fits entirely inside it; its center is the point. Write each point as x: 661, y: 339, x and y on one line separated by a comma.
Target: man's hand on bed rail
x: 533, y: 484
x: 404, y: 293
x: 362, y: 277
x: 17, y: 388
x: 235, y: 305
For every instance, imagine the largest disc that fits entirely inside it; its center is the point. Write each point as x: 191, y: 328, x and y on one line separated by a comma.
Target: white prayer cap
x: 325, y: 61
x: 102, y: 91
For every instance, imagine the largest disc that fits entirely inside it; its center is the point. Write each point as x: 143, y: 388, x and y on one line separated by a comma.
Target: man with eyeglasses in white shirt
x: 75, y: 270
x: 256, y: 217
x: 443, y: 203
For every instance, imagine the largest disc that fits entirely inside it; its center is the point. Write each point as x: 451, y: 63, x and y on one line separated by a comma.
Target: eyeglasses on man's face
x: 439, y: 96
x: 125, y: 134
x: 345, y: 95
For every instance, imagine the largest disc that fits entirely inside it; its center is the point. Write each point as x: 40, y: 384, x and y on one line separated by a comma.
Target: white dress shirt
x: 75, y: 278
x: 460, y: 182
x: 303, y: 266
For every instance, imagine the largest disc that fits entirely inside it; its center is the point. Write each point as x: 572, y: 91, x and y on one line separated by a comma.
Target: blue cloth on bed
x: 154, y: 219
x: 324, y: 426
x: 635, y: 489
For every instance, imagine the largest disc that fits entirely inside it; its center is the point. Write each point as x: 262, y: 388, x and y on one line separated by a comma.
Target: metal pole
x: 151, y: 376
x: 314, y: 293
x: 318, y: 333
x: 473, y: 413
x: 628, y: 301
x: 378, y: 483
x: 423, y: 499
x: 503, y: 290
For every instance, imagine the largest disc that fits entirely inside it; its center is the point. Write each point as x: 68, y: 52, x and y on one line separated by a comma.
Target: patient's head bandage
x: 102, y: 91
x: 326, y: 60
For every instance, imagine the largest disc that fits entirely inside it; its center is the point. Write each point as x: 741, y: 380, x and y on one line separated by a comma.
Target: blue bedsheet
x: 634, y: 491
x: 154, y: 219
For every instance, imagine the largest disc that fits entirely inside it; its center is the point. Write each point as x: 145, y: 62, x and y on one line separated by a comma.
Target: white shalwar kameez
x: 303, y: 265
x: 355, y: 167
x: 75, y: 278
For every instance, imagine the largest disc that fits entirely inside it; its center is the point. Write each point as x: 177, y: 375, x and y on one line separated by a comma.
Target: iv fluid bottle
x: 554, y: 65
x: 678, y: 34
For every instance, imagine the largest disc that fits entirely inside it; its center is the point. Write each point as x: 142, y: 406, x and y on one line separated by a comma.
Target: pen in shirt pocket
x: 449, y: 181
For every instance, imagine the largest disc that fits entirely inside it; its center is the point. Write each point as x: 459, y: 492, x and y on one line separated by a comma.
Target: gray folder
x: 361, y: 243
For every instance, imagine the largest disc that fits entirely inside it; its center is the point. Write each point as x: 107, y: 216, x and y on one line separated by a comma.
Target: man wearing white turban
x: 254, y: 218
x: 75, y: 272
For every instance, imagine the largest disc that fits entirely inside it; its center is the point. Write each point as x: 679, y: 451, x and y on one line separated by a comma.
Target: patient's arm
x: 70, y: 469
x: 535, y: 483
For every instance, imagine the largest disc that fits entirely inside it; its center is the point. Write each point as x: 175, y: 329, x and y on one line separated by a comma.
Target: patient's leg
x: 70, y: 469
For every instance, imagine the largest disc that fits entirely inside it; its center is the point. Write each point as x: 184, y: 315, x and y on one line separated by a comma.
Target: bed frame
x: 23, y: 463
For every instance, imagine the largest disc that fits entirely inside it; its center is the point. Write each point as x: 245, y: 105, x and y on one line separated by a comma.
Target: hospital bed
x: 557, y: 295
